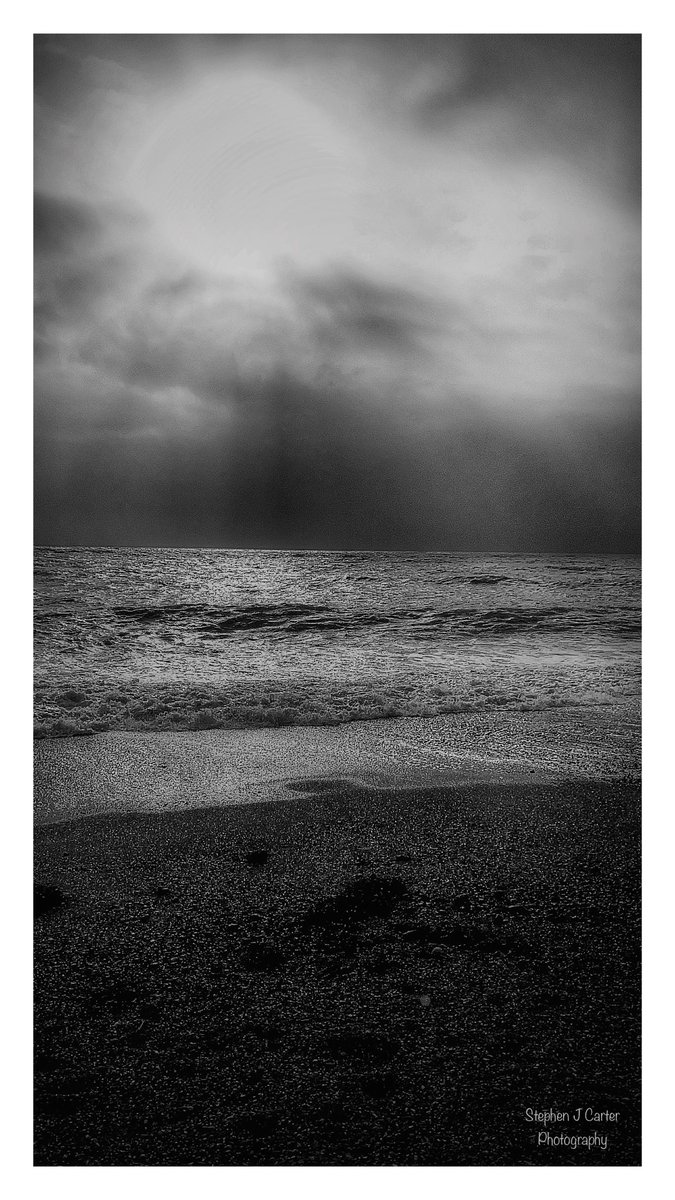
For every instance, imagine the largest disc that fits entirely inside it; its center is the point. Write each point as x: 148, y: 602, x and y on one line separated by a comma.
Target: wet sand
x: 349, y: 976
x: 160, y: 772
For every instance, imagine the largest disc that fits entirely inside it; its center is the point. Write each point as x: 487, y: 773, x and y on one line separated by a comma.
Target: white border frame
x: 135, y: 16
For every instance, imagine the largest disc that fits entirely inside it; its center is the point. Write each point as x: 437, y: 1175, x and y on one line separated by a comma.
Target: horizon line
x: 317, y: 550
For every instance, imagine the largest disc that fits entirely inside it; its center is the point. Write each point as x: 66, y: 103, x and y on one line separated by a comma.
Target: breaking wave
x: 94, y: 708
x: 190, y: 639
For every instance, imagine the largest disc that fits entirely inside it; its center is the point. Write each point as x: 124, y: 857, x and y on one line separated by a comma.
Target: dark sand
x: 349, y: 978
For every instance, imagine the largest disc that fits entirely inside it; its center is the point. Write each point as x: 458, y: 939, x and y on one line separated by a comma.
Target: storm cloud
x: 338, y: 292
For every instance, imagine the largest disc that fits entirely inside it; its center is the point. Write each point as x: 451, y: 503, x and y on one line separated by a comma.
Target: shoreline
x: 347, y: 977
x: 160, y: 771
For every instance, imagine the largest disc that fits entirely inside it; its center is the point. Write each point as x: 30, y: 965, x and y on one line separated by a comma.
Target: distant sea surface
x: 197, y: 639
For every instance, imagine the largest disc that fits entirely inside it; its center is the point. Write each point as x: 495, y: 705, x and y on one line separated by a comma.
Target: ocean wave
x: 95, y: 707
x: 190, y: 639
x: 218, y: 621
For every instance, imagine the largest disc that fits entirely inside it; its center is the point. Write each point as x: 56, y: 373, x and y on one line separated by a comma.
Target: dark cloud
x: 344, y: 308
x: 166, y: 427
x: 321, y: 465
x: 573, y: 95
x: 59, y: 224
x: 87, y: 257
x: 184, y: 329
x: 467, y: 385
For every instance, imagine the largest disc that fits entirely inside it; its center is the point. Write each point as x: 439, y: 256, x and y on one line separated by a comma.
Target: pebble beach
x: 353, y: 975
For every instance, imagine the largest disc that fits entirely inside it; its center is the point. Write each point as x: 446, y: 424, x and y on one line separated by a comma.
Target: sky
x: 338, y: 292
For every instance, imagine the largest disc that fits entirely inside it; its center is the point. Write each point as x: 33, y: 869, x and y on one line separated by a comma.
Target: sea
x: 189, y: 639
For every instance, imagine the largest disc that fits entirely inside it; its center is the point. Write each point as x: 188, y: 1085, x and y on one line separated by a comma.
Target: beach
x: 337, y: 600
x: 268, y: 932
x: 376, y: 969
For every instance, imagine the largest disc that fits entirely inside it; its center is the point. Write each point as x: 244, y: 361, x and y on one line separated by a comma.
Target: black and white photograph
x: 337, y: 599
